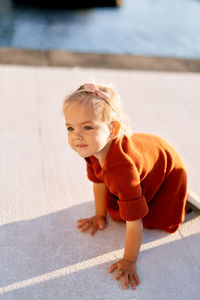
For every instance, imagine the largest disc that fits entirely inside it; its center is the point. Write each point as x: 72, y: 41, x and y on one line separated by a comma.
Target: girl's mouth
x: 81, y: 146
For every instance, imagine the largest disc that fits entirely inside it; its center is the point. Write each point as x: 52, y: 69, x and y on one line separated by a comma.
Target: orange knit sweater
x: 145, y: 178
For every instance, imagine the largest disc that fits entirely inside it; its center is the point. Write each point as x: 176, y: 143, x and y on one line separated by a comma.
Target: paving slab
x: 44, y: 189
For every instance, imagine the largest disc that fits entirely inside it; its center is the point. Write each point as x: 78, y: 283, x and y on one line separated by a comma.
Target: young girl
x: 139, y: 179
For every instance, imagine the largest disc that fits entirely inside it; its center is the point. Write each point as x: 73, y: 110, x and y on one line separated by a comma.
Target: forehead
x: 77, y: 112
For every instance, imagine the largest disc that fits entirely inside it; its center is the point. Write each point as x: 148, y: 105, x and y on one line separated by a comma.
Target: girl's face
x: 88, y: 134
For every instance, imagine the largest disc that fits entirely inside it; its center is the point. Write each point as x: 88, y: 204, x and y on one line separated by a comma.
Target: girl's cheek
x: 69, y: 140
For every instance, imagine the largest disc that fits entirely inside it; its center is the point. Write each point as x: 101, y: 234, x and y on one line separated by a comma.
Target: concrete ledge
x: 23, y: 57
x: 94, y: 60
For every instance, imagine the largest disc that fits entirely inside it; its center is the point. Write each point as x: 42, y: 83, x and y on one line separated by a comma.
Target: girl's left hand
x: 127, y: 270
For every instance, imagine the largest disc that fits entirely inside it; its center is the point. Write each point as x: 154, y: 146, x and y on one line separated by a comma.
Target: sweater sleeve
x: 90, y: 172
x: 124, y: 182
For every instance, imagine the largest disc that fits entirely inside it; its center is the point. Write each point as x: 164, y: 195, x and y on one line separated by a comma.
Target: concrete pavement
x: 44, y: 189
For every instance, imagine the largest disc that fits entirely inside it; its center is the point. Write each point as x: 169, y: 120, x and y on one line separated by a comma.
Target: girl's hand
x: 127, y: 270
x: 95, y: 223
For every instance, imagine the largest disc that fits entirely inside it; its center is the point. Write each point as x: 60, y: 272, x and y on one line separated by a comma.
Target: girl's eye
x: 70, y: 128
x: 88, y: 128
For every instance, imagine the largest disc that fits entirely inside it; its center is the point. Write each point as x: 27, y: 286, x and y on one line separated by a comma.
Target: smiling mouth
x: 81, y: 146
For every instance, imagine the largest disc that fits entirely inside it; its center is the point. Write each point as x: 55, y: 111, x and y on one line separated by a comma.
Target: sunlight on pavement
x: 101, y: 259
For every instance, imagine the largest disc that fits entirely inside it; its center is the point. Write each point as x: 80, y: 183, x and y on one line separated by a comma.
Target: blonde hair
x: 109, y: 111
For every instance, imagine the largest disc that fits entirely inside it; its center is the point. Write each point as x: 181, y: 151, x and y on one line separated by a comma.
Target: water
x: 138, y: 27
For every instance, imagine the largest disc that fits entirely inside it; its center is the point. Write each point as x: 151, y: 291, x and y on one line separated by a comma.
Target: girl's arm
x: 99, y: 220
x: 133, y: 240
x: 99, y: 196
x: 126, y: 267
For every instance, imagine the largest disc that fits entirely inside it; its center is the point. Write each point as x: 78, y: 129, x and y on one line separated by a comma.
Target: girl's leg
x: 167, y: 208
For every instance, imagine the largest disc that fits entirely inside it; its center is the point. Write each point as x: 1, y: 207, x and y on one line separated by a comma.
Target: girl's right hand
x: 95, y: 223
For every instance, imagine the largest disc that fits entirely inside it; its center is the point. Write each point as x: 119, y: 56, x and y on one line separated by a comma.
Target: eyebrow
x: 87, y: 122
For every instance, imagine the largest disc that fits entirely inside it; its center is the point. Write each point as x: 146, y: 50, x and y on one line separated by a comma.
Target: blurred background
x: 136, y: 27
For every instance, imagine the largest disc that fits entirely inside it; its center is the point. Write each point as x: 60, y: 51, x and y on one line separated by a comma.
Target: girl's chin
x: 84, y: 154
x: 87, y: 153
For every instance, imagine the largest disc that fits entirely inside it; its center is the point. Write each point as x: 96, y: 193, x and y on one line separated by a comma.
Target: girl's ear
x: 115, y: 129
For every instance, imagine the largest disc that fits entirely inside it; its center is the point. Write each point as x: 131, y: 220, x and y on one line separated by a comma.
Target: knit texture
x: 146, y: 179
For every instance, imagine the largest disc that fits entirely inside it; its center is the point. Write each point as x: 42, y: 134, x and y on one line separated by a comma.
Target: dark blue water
x: 139, y: 27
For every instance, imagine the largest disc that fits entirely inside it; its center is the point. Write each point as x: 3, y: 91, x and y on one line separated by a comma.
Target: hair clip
x: 90, y: 88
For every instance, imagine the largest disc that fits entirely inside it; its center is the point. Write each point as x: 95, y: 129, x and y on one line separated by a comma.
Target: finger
x: 131, y: 281
x: 83, y: 223
x: 85, y: 227
x: 137, y: 280
x: 101, y: 226
x: 118, y: 274
x: 112, y: 268
x: 94, y: 229
x: 82, y: 220
x: 125, y: 281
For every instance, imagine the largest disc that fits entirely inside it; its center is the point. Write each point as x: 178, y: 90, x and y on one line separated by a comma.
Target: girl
x: 139, y: 179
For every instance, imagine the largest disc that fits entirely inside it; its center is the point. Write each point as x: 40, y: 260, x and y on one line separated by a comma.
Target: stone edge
x: 54, y: 58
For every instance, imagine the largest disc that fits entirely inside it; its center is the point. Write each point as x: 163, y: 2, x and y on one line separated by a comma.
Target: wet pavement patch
x: 143, y: 28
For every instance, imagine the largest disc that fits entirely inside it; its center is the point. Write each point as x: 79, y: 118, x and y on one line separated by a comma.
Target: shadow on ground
x: 47, y: 252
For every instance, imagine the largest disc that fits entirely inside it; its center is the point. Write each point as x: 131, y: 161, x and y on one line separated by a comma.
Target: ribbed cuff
x: 131, y: 210
x: 93, y: 178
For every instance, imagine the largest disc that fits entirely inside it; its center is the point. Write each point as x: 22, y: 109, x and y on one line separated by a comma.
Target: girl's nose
x: 78, y: 134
